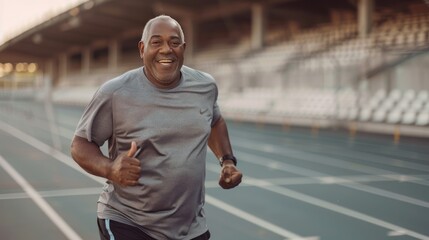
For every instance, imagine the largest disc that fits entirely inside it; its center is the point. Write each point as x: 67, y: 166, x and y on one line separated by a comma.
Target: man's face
x: 163, y: 54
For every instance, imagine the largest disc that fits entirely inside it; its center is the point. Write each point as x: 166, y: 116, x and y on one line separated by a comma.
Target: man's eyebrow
x: 155, y: 36
x: 159, y: 36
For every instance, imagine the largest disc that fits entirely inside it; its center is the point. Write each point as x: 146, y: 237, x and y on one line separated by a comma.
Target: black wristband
x: 228, y: 157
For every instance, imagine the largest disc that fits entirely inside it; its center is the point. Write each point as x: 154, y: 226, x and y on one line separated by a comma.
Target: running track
x: 297, y: 184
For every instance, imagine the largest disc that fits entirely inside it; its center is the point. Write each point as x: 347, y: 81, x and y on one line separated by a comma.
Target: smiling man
x: 162, y: 48
x: 158, y: 120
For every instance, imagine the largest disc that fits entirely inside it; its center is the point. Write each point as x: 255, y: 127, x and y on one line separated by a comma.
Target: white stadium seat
x: 395, y: 95
x: 387, y: 104
x: 409, y: 117
x: 353, y: 114
x: 394, y: 116
x: 403, y: 104
x: 417, y: 105
x: 423, y: 119
x: 379, y: 115
x: 423, y: 95
x: 410, y: 94
x: 365, y: 114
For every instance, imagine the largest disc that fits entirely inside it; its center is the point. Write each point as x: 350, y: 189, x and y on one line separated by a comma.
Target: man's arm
x: 219, y: 139
x: 124, y: 170
x: 220, y: 145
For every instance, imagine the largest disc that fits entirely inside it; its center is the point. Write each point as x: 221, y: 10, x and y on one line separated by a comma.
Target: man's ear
x: 184, y: 45
x: 141, y: 49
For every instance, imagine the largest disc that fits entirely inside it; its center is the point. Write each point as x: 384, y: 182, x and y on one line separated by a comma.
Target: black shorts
x: 109, y: 230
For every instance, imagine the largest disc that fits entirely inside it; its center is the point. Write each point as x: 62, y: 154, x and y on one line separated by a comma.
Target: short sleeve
x: 216, y: 110
x: 96, y: 123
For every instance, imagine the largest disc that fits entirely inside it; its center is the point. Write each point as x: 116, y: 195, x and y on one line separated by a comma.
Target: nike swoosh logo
x: 202, y: 111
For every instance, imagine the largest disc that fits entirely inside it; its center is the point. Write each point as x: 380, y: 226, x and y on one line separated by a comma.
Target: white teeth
x: 165, y: 61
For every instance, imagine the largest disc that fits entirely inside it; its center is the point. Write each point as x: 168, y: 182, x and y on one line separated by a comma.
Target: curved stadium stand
x: 314, y: 66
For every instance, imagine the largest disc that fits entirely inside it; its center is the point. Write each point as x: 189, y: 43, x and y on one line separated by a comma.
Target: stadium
x: 341, y: 75
x: 333, y: 64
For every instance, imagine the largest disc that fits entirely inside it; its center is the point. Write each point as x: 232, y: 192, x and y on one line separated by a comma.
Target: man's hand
x: 230, y: 176
x: 125, y: 169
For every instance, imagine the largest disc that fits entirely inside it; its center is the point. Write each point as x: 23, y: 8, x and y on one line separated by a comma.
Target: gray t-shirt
x: 172, y: 126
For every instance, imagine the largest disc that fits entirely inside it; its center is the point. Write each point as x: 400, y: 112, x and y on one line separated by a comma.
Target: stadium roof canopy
x: 97, y: 21
x: 101, y: 20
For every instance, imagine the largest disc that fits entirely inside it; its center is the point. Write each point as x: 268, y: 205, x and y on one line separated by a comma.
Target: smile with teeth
x: 165, y: 61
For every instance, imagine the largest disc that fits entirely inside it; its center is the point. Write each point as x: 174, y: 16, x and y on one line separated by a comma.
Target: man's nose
x: 165, y: 48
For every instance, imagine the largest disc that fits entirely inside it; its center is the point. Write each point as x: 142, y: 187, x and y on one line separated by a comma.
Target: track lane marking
x: 325, y: 204
x: 71, y: 163
x: 54, y: 193
x: 370, y: 157
x: 325, y: 160
x: 329, y: 179
x: 337, y: 208
x: 253, y: 219
x: 56, y: 219
x: 215, y: 184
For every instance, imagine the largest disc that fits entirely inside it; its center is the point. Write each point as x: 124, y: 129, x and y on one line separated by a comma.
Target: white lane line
x: 386, y: 194
x: 215, y: 184
x: 336, y: 208
x: 54, y: 193
x: 324, y: 204
x: 329, y: 161
x: 395, y: 233
x: 43, y: 205
x: 252, y: 218
x: 71, y: 192
x: 329, y: 179
x: 46, y: 149
x: 71, y: 163
x: 371, y: 157
x: 12, y: 196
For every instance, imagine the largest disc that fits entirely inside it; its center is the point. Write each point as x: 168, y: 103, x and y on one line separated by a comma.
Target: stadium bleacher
x: 314, y: 66
x: 397, y: 34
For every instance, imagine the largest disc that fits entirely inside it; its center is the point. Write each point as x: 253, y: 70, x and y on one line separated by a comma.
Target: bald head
x: 146, y: 30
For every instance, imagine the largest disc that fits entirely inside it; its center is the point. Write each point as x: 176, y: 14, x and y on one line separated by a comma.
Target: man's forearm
x: 89, y: 156
x: 219, y: 140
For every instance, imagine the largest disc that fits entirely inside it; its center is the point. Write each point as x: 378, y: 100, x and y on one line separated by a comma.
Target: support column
x: 189, y: 28
x: 258, y: 26
x: 63, y: 66
x: 48, y: 102
x: 48, y: 76
x: 86, y: 60
x: 365, y: 11
x: 114, y: 50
